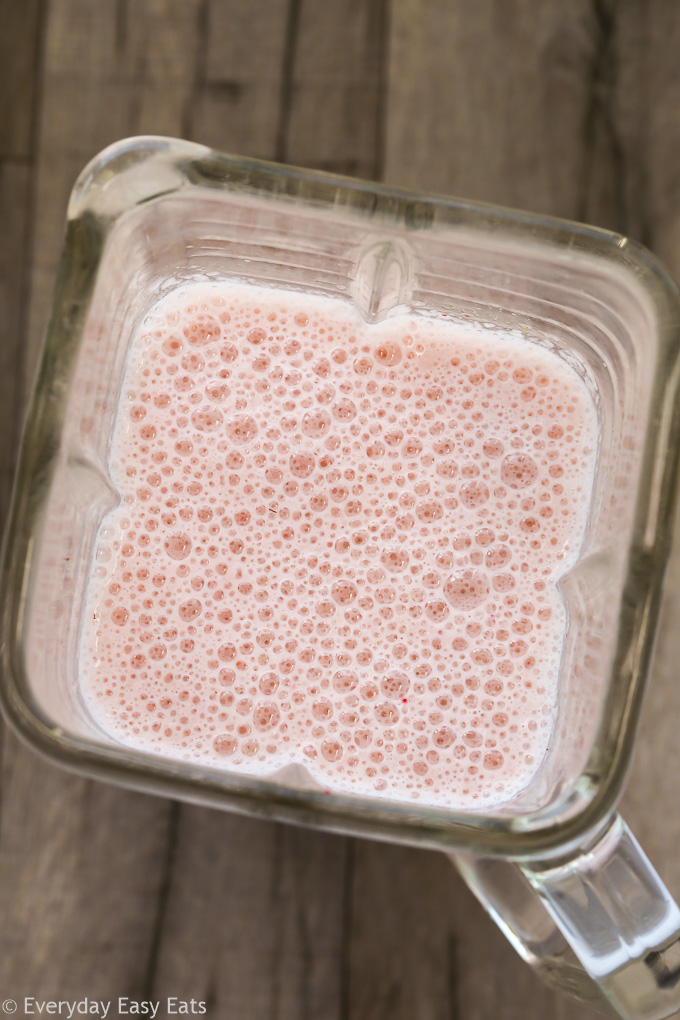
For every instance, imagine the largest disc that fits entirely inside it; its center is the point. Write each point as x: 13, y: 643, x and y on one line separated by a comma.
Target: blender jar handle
x: 600, y: 926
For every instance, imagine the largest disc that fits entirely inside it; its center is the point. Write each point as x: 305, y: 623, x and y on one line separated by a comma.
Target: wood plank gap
x: 601, y: 90
x: 287, y: 79
x: 198, y: 85
x: 634, y: 179
x: 275, y: 894
x: 18, y: 26
x: 29, y: 234
x: 640, y: 187
x: 121, y: 24
x: 383, y: 18
x: 453, y: 976
x: 347, y: 930
x: 164, y: 890
x: 605, y: 14
x: 19, y: 339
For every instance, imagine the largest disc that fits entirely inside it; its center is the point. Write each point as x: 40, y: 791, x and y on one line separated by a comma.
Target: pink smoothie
x: 338, y: 545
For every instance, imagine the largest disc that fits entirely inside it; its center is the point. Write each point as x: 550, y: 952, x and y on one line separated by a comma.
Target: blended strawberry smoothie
x: 338, y: 545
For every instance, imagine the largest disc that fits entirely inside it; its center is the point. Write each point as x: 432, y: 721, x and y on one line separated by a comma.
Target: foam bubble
x: 337, y: 545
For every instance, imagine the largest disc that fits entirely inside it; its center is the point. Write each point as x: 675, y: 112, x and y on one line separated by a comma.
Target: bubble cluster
x: 338, y: 545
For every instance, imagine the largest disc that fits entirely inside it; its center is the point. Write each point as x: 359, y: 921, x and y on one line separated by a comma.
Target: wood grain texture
x: 403, y: 961
x: 20, y: 77
x: 20, y: 33
x: 567, y: 109
x: 493, y: 101
x: 15, y: 180
x: 20, y: 52
x: 645, y: 118
x: 269, y: 903
x: 255, y: 923
x: 570, y: 110
x: 110, y: 70
x: 335, y: 116
x: 83, y: 867
x: 273, y: 907
x: 645, y: 101
x: 236, y: 105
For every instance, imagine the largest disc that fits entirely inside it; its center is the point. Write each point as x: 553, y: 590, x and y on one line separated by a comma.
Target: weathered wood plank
x: 20, y: 37
x: 494, y: 101
x: 82, y: 866
x: 337, y: 84
x: 512, y: 103
x: 571, y: 111
x: 422, y: 949
x: 295, y: 81
x: 296, y: 930
x: 646, y: 124
x: 112, y: 69
x: 19, y: 54
x: 14, y: 194
x: 15, y: 180
x: 236, y: 103
x: 527, y: 135
x: 645, y: 121
x: 403, y: 960
x: 286, y: 890
x: 20, y: 27
x: 254, y: 925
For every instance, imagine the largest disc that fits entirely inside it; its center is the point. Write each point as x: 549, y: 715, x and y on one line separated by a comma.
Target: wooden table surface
x: 570, y: 108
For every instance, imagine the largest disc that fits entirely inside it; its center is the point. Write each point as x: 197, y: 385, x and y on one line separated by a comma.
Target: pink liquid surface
x: 337, y: 545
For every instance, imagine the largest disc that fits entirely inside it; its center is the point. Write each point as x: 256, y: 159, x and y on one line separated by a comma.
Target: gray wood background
x: 570, y: 108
